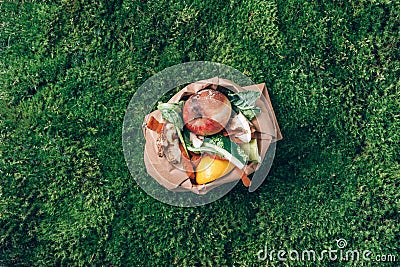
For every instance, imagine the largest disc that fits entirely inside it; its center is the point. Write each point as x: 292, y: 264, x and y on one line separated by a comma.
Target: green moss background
x: 69, y: 68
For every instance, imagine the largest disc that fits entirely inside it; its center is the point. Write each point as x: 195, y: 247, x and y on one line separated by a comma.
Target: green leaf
x: 204, y: 149
x: 245, y: 102
x: 251, y: 113
x: 227, y: 144
x: 172, y: 112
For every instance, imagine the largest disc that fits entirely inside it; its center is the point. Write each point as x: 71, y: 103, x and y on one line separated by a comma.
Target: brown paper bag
x: 175, y: 179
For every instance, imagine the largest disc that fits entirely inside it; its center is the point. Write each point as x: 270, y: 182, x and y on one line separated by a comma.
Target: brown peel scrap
x: 245, y: 179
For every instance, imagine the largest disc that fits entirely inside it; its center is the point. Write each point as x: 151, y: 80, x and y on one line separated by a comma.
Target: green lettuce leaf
x: 222, y: 146
x: 245, y: 102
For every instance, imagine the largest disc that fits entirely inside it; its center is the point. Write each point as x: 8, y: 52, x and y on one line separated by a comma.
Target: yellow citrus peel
x: 210, y: 169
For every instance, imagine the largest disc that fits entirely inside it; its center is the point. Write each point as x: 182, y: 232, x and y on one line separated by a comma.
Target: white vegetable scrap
x: 240, y: 128
x: 196, y: 141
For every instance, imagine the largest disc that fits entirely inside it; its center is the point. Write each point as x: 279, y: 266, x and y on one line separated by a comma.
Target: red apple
x: 207, y: 112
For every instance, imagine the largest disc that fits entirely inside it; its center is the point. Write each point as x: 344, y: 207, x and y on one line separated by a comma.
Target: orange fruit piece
x: 210, y: 169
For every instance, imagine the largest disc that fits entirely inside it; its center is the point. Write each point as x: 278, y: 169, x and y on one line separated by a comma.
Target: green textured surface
x: 67, y: 73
